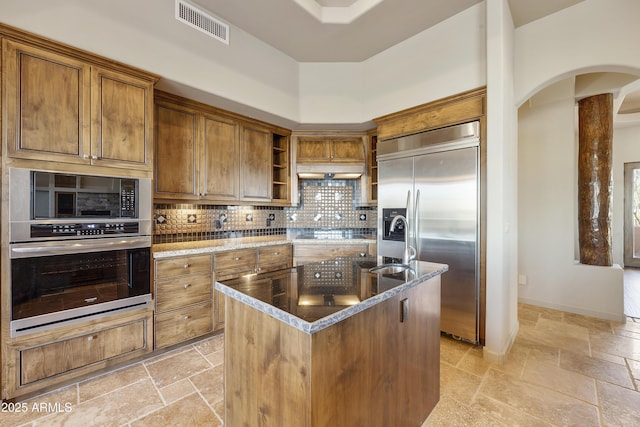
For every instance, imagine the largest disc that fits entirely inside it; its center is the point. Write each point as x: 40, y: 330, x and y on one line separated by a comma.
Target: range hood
x: 329, y: 171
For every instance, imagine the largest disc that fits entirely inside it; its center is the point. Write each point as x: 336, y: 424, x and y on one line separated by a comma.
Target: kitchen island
x: 331, y: 343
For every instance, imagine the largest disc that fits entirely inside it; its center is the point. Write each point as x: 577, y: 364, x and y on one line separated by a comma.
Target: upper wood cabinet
x: 176, y: 152
x: 372, y: 168
x: 281, y: 187
x: 121, y: 120
x: 256, y: 164
x: 203, y: 154
x: 329, y: 149
x: 460, y: 108
x: 65, y: 108
x: 220, y: 159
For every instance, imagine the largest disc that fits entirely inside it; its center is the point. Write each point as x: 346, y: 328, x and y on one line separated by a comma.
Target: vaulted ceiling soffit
x: 337, y: 11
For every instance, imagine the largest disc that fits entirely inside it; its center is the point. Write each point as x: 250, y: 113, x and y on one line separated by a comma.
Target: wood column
x: 595, y: 135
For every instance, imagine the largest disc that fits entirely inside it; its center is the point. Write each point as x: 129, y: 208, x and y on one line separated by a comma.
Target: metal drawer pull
x: 186, y: 265
x: 237, y: 258
x: 187, y: 317
x: 186, y: 285
x: 92, y: 337
x: 92, y: 299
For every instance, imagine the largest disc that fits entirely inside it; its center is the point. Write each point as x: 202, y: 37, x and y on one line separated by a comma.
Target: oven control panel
x: 84, y: 229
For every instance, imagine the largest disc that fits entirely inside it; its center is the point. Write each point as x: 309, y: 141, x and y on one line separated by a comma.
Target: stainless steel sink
x: 389, y: 268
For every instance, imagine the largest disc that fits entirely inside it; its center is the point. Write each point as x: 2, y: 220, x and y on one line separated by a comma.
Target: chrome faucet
x: 409, y: 253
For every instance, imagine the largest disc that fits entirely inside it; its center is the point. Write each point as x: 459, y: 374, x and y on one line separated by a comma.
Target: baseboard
x: 501, y: 357
x: 575, y: 310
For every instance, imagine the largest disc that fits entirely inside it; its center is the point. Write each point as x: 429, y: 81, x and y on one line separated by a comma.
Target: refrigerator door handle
x: 411, y: 249
x: 416, y: 225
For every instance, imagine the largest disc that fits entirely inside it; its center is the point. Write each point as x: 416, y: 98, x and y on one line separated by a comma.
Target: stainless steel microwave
x: 50, y: 205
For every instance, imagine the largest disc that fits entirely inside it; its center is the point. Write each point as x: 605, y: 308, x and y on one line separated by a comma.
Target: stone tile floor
x: 563, y: 369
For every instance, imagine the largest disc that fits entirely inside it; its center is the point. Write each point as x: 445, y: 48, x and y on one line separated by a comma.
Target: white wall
x: 502, y: 251
x: 446, y: 59
x: 332, y: 93
x: 247, y: 76
x: 416, y: 71
x: 547, y: 205
x: 592, y: 35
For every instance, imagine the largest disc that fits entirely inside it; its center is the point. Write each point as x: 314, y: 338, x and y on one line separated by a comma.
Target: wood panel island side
x: 332, y: 344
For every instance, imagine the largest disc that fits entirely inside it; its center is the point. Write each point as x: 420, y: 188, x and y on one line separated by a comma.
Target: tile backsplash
x: 330, y: 204
x: 324, y: 204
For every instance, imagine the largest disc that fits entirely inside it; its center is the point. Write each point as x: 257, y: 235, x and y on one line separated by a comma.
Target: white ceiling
x: 296, y: 27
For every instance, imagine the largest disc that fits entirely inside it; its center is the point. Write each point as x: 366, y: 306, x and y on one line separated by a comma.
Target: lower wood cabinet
x: 184, y: 299
x: 304, y: 253
x: 51, y: 359
x: 378, y: 367
x: 272, y: 258
x: 232, y: 264
x: 183, y: 324
x: 45, y: 359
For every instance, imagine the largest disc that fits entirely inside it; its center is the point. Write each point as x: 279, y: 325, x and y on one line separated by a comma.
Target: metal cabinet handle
x: 85, y: 156
x: 237, y: 258
x: 186, y: 285
x: 186, y: 265
x: 187, y: 317
x: 92, y: 337
x: 404, y: 310
x: 94, y: 157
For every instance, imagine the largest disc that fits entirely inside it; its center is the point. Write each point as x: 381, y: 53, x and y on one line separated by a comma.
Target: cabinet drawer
x: 182, y: 291
x: 183, y: 265
x: 306, y: 253
x: 183, y: 324
x: 234, y: 263
x: 274, y: 257
x: 47, y: 360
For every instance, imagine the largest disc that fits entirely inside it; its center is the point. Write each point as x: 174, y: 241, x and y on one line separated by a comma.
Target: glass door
x: 632, y: 214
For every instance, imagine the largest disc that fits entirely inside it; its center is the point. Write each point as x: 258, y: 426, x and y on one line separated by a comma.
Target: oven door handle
x: 29, y: 250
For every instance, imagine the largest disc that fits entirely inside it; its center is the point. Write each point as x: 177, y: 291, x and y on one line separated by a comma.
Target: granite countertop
x: 315, y: 296
x: 166, y: 250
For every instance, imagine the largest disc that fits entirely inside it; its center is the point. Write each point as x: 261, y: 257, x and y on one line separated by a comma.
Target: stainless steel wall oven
x: 79, y: 247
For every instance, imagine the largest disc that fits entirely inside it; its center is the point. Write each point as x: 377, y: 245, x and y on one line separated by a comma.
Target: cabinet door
x: 183, y: 324
x: 47, y: 104
x: 182, y: 291
x: 220, y: 157
x: 218, y: 311
x: 121, y: 120
x: 51, y: 359
x: 257, y: 164
x: 175, y: 159
x: 347, y: 150
x: 313, y: 150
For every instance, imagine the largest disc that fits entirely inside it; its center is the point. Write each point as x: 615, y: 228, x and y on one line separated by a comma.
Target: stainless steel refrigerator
x: 432, y: 178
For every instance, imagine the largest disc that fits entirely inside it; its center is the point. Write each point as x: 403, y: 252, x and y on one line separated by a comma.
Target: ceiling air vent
x: 202, y: 21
